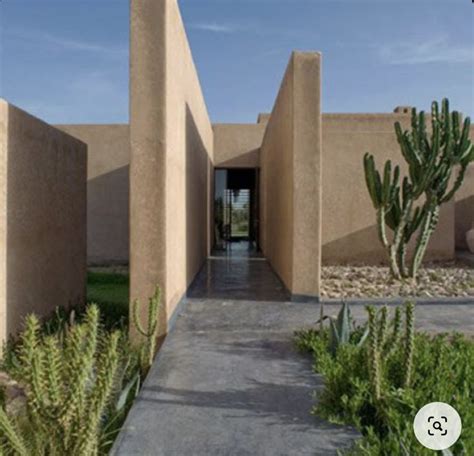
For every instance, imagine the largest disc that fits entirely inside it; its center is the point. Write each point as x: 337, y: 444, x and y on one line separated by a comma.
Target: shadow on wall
x: 364, y: 247
x: 464, y: 223
x: 248, y: 157
x: 108, y: 218
x: 196, y: 204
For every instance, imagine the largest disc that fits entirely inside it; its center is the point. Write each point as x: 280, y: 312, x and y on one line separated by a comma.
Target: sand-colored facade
x: 171, y: 156
x: 108, y: 169
x: 42, y: 218
x: 290, y: 162
x: 349, y: 224
x: 151, y: 184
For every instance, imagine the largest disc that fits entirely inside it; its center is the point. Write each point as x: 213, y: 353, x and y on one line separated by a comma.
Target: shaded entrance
x: 236, y: 211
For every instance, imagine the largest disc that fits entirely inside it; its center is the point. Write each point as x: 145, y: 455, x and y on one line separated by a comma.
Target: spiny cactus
x: 150, y: 333
x: 374, y: 353
x: 409, y: 342
x: 414, y: 205
x: 383, y: 344
x: 69, y: 380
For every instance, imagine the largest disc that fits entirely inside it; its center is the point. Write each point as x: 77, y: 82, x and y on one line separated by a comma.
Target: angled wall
x: 43, y: 174
x: 108, y: 152
x: 290, y: 160
x: 171, y: 157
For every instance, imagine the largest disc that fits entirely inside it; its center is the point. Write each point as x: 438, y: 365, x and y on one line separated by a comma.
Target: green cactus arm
x: 372, y: 180
x: 387, y: 180
x: 12, y: 435
x: 409, y: 342
x: 136, y: 318
x: 374, y: 353
x: 456, y: 185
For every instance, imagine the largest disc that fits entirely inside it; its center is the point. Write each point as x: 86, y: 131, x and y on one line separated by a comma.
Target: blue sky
x: 66, y: 61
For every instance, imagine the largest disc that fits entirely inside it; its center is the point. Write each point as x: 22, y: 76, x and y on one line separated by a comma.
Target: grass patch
x: 366, y: 385
x: 110, y: 291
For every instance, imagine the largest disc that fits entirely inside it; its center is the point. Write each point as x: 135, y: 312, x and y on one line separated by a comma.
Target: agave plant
x: 341, y: 329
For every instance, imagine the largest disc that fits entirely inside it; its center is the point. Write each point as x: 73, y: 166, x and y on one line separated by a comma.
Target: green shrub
x: 78, y: 382
x: 413, y: 370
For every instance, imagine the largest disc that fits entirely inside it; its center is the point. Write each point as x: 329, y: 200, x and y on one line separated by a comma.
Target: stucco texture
x: 108, y: 151
x: 238, y: 145
x: 171, y: 157
x: 464, y: 205
x: 349, y: 224
x: 290, y: 178
x: 43, y: 176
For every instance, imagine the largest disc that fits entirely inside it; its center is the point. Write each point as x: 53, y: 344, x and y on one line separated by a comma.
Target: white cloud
x: 214, y: 27
x: 437, y: 50
x: 59, y: 43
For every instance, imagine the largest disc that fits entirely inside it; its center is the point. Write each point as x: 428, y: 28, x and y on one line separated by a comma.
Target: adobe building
x: 171, y: 189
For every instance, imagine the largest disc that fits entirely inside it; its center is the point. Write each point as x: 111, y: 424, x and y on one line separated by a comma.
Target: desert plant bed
x: 377, y: 376
x: 433, y: 281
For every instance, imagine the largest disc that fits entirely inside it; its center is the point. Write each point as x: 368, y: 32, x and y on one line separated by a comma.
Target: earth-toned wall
x: 43, y: 175
x: 237, y: 145
x: 171, y: 157
x: 108, y: 166
x: 465, y: 205
x: 290, y: 163
x: 349, y: 226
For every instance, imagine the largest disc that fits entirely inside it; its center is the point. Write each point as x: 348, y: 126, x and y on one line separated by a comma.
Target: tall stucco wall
x: 464, y: 205
x: 290, y: 178
x: 43, y: 175
x: 238, y: 145
x: 171, y: 156
x: 108, y: 151
x: 349, y: 227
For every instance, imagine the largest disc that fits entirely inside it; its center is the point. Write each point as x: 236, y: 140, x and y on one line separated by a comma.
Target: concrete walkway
x: 228, y: 380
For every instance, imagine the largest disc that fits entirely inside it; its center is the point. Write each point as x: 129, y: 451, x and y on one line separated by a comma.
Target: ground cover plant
x: 79, y: 374
x: 437, y: 161
x: 379, y: 384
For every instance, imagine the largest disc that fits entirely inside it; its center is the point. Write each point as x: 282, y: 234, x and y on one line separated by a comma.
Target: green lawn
x: 109, y: 290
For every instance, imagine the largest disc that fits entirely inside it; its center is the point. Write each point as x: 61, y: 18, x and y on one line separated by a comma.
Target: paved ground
x: 228, y: 380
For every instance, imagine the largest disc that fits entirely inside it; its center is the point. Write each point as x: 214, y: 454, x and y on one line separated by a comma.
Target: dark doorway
x: 236, y: 210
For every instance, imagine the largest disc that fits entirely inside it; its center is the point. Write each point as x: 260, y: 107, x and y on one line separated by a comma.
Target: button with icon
x: 437, y: 426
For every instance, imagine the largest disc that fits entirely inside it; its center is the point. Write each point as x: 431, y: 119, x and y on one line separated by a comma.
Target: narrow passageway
x: 228, y: 379
x: 237, y: 278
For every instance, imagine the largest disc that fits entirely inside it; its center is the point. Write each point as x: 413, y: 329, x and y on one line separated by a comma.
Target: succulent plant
x: 413, y: 205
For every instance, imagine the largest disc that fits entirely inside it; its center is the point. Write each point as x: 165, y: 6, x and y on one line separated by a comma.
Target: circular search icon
x: 437, y: 426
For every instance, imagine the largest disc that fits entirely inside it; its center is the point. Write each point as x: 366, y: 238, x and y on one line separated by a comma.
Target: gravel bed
x: 435, y: 280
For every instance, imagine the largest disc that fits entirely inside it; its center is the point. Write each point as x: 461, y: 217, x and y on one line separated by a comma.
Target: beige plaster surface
x: 43, y: 176
x: 290, y: 178
x: 108, y: 166
x: 171, y: 157
x: 464, y: 205
x: 238, y: 145
x: 349, y: 225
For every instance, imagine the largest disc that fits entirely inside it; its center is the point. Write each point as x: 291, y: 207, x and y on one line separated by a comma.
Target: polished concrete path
x: 228, y: 380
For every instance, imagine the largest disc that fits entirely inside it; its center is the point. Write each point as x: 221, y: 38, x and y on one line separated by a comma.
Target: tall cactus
x: 413, y: 206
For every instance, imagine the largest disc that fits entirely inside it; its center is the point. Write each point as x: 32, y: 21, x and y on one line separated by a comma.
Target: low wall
x: 290, y: 178
x: 238, y: 145
x: 349, y: 225
x: 171, y: 157
x: 108, y: 166
x: 43, y: 174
